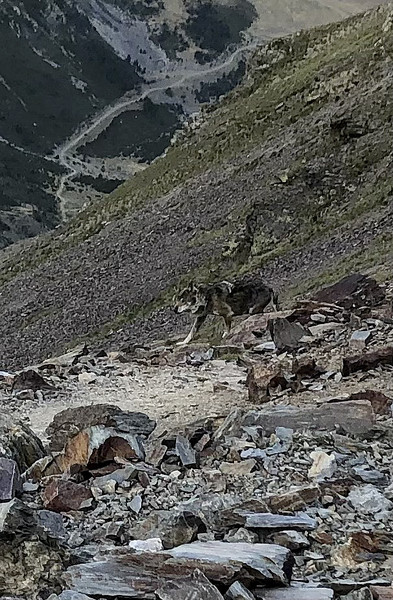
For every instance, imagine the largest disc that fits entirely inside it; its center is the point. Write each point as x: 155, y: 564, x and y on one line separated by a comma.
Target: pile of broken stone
x: 289, y: 500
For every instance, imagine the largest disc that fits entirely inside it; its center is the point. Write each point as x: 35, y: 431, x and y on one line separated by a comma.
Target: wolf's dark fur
x: 248, y: 295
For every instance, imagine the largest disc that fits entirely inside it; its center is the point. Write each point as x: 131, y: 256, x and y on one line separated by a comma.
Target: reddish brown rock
x: 262, y: 379
x: 294, y: 500
x: 249, y: 331
x: 305, y: 366
x: 352, y: 291
x: 61, y: 495
x: 382, y: 404
x: 30, y: 380
x: 381, y: 593
x: 367, y: 361
x: 323, y: 537
x: 95, y: 446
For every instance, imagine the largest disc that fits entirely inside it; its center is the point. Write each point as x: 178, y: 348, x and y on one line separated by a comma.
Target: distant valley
x: 138, y: 69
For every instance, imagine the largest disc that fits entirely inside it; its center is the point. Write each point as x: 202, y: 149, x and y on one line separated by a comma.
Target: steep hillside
x: 65, y: 60
x: 55, y: 70
x: 291, y: 173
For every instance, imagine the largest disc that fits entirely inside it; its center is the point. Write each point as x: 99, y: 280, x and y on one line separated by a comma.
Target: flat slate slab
x: 268, y: 561
x: 294, y: 593
x: 274, y: 521
x: 129, y: 575
x: 354, y: 416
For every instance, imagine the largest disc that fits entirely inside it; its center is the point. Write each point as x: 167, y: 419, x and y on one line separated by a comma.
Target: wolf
x: 248, y: 295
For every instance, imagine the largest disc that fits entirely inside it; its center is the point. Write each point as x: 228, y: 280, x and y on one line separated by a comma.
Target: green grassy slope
x: 290, y: 174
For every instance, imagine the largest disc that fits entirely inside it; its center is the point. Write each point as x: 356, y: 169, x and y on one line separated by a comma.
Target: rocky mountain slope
x: 290, y: 174
x: 65, y: 60
x: 258, y: 470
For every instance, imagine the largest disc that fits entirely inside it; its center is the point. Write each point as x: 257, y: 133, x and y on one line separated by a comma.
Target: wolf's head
x: 191, y: 299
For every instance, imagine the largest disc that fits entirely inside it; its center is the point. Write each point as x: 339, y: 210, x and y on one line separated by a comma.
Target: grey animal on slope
x: 248, y: 295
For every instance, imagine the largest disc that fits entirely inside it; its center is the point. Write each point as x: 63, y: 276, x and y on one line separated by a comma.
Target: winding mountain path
x: 65, y: 153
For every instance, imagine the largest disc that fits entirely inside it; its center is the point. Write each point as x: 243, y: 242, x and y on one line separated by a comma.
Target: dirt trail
x: 172, y: 395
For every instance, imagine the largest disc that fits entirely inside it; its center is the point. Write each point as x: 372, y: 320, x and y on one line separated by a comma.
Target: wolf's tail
x: 275, y: 301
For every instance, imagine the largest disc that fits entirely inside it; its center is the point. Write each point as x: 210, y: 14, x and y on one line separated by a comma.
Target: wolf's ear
x: 192, y: 286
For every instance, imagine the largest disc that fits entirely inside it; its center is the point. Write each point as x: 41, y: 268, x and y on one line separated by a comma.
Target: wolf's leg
x: 194, y: 329
x: 275, y: 301
x: 228, y: 323
x: 258, y: 308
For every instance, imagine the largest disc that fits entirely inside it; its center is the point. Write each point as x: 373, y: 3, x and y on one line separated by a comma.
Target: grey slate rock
x: 295, y: 593
x: 51, y: 524
x: 190, y: 588
x: 360, y: 338
x: 367, y: 499
x: 70, y: 595
x: 369, y: 475
x: 355, y: 417
x: 294, y: 540
x: 140, y: 575
x: 10, y: 481
x: 286, y: 335
x: 16, y: 518
x: 268, y: 562
x: 274, y: 521
x: 185, y: 451
x: 135, y: 504
x: 120, y: 475
x: 238, y: 591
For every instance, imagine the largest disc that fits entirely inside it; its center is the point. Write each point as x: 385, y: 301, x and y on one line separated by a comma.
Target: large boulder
x: 141, y: 575
x: 91, y: 435
x: 70, y: 422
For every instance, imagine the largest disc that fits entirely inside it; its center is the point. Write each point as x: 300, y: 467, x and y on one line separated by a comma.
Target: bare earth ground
x: 175, y: 396
x: 171, y: 395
